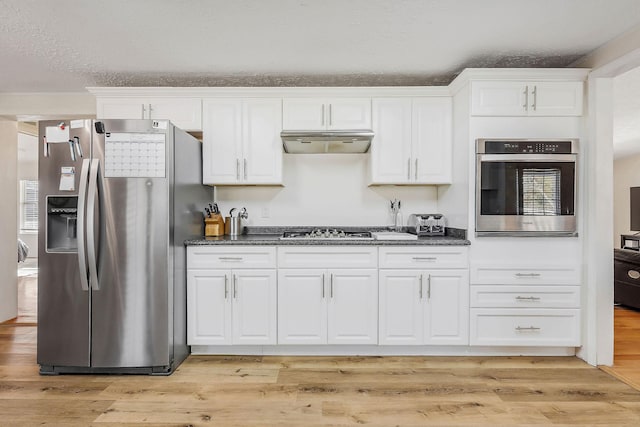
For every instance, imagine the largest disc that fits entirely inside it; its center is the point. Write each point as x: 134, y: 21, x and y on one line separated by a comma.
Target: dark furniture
x: 627, y: 277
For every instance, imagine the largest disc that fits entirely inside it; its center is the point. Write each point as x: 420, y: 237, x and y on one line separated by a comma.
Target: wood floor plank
x: 37, y: 410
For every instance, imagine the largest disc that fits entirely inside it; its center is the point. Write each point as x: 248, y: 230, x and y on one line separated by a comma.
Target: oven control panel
x: 527, y: 147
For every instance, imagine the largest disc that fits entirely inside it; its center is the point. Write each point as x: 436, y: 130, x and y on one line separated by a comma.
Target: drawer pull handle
x: 526, y: 329
x: 230, y: 258
x: 633, y: 274
x: 528, y: 274
x: 429, y: 258
x: 519, y: 298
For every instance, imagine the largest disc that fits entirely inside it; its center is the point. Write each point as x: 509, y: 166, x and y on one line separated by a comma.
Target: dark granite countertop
x: 265, y: 236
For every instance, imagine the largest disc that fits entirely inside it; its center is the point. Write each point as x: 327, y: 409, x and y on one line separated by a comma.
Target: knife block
x: 214, y: 226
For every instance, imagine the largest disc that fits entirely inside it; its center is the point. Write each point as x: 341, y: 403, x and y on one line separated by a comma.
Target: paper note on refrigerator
x: 57, y: 133
x: 67, y: 179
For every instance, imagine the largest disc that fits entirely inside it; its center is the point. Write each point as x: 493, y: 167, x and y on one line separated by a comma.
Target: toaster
x: 426, y: 224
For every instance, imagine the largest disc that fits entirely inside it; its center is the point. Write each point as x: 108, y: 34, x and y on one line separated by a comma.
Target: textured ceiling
x: 66, y: 45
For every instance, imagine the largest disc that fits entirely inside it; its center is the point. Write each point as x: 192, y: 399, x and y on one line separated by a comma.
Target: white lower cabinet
x: 424, y: 307
x: 525, y: 327
x: 424, y: 295
x: 525, y: 305
x: 230, y: 306
x: 327, y: 306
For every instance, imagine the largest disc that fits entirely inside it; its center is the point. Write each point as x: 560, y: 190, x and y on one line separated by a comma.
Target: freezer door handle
x: 91, y: 238
x: 80, y: 224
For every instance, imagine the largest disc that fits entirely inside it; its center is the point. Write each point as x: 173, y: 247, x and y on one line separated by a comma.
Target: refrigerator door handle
x: 91, y: 238
x: 80, y: 224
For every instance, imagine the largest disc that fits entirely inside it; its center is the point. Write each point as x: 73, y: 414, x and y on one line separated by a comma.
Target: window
x: 541, y: 191
x: 28, y: 206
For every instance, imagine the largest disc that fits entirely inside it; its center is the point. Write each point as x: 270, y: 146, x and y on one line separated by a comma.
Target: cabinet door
x: 353, y: 306
x: 391, y: 145
x: 304, y: 114
x: 401, y: 307
x: 262, y: 146
x: 221, y: 145
x: 499, y: 98
x: 446, y: 314
x: 254, y: 306
x: 302, y: 307
x: 122, y: 108
x: 208, y: 307
x: 349, y: 113
x: 555, y: 99
x: 432, y: 143
x: 186, y: 113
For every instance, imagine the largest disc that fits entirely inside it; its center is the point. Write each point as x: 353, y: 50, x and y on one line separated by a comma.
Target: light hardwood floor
x: 626, y: 346
x: 317, y: 391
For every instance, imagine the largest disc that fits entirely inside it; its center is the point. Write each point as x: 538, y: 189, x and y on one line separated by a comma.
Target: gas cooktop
x: 326, y: 234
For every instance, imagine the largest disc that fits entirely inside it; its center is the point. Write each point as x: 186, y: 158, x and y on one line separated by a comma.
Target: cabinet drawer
x: 525, y: 296
x: 525, y: 327
x: 327, y: 257
x: 525, y: 275
x: 231, y: 257
x: 424, y: 258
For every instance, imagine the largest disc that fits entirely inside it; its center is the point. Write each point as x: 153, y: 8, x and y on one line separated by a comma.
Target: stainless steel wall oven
x: 526, y: 187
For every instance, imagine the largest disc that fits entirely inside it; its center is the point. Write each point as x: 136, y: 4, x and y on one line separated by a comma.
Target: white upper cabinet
x: 431, y: 126
x: 241, y: 141
x: 186, y: 113
x: 529, y: 98
x: 412, y: 142
x: 326, y: 114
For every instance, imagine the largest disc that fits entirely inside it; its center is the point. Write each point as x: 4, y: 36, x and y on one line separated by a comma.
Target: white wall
x: 626, y: 173
x: 8, y: 221
x: 40, y: 106
x: 326, y: 189
x: 27, y: 169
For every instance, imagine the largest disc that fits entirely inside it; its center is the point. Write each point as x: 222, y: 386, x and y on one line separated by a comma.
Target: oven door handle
x: 527, y: 158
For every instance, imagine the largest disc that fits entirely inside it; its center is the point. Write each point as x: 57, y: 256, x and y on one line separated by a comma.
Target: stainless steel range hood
x: 335, y: 141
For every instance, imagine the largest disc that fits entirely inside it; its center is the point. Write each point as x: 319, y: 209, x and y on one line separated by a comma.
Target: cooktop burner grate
x: 326, y: 233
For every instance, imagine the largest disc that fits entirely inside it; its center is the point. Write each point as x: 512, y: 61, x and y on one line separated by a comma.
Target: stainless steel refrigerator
x: 117, y: 199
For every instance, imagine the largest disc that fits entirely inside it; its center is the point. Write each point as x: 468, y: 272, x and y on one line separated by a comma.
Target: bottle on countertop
x: 398, y: 218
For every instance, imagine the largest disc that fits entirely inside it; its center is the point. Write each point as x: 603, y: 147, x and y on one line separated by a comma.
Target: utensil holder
x: 232, y: 225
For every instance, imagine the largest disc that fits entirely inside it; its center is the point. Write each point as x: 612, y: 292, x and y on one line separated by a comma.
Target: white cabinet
x: 412, y: 142
x: 423, y: 306
x: 326, y: 114
x: 241, y: 141
x: 331, y: 305
x: 232, y: 305
x: 208, y: 307
x: 186, y: 113
x: 525, y: 305
x: 530, y: 98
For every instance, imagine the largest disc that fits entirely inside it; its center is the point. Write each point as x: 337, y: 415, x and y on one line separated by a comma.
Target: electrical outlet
x: 265, y: 212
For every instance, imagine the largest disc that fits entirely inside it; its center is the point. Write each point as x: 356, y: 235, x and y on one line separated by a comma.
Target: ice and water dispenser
x: 62, y: 223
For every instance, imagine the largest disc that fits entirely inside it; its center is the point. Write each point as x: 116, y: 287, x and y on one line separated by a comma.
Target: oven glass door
x: 527, y: 188
x: 526, y: 195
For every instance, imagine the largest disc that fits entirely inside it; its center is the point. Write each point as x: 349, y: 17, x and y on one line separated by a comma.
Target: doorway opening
x: 27, y: 170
